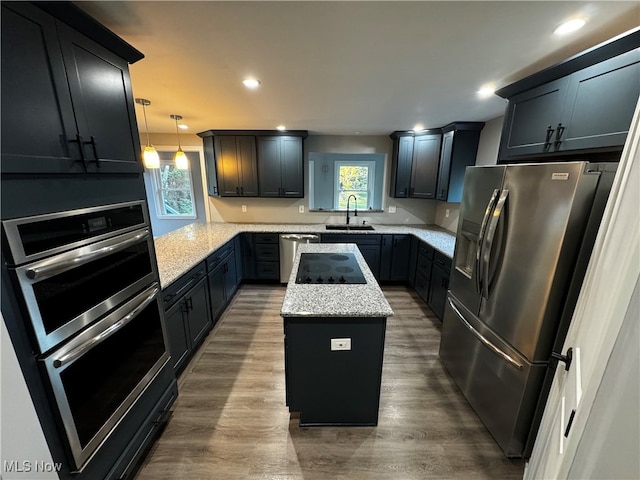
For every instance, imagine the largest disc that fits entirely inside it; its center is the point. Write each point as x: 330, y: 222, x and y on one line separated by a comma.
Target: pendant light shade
x: 180, y: 158
x: 150, y: 157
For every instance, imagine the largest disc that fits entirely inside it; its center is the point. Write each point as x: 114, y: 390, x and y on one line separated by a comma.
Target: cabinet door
x: 210, y: 166
x: 227, y: 166
x: 371, y: 254
x: 216, y: 291
x: 38, y: 123
x: 438, y: 291
x: 177, y: 334
x: 424, y: 174
x: 600, y: 103
x: 103, y: 103
x: 199, y: 316
x: 403, y: 155
x: 445, y: 166
x: 531, y: 119
x: 248, y: 171
x: 269, y: 166
x: 394, y: 258
x: 230, y: 277
x: 291, y: 164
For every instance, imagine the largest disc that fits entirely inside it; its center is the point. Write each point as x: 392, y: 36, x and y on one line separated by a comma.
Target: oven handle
x: 50, y: 269
x: 101, y: 337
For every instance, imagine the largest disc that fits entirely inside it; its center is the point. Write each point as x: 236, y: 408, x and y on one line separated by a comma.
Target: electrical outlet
x: 340, y: 344
x: 446, y: 213
x: 244, y: 209
x: 392, y: 209
x: 300, y: 208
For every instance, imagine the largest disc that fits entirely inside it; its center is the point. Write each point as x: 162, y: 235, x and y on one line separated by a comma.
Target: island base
x: 333, y: 369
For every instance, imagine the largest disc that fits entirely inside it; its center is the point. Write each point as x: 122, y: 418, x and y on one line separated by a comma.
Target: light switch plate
x: 392, y: 209
x: 340, y: 344
x: 244, y: 208
x: 300, y: 208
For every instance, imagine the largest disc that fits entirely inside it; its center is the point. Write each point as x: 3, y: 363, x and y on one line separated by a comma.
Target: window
x: 174, y: 191
x: 354, y: 179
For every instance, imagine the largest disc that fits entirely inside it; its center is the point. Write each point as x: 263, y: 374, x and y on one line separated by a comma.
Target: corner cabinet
x: 583, y: 105
x: 255, y: 163
x: 459, y: 150
x: 415, y: 163
x: 67, y: 106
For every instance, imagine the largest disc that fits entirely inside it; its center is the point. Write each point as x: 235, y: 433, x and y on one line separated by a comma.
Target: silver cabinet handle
x: 101, y: 337
x: 483, y: 228
x: 483, y: 339
x: 45, y: 270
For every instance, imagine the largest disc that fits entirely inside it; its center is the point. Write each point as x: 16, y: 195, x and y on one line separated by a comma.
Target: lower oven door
x: 99, y: 374
x: 66, y: 292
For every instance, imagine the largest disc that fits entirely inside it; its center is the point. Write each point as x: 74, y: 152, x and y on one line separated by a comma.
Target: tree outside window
x: 354, y: 180
x: 174, y: 191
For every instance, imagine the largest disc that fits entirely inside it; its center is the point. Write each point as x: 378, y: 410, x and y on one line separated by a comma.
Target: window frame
x: 158, y: 191
x: 371, y: 177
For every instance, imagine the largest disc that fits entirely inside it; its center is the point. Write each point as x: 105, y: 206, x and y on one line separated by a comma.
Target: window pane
x: 175, y: 191
x: 353, y: 180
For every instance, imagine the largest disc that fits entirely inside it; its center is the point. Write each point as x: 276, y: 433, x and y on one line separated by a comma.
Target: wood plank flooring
x: 230, y: 420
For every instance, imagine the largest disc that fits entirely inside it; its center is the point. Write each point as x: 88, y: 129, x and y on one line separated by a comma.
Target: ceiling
x: 343, y: 68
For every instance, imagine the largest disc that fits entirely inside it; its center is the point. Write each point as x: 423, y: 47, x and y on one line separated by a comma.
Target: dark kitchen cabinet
x: 368, y: 244
x: 440, y: 273
x: 394, y: 258
x: 187, y: 314
x: 586, y: 108
x: 280, y: 166
x: 414, y: 164
x: 459, y: 149
x: 423, y: 270
x: 67, y: 106
x: 236, y: 165
x: 223, y: 277
x: 401, y: 161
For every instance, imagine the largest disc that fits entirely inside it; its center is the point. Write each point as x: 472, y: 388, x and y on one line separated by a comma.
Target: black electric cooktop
x: 339, y: 268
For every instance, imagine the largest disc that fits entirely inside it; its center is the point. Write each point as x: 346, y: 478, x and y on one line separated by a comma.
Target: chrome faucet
x: 355, y: 209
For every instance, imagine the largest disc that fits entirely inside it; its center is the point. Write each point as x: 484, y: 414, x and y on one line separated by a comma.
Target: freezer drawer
x: 502, y: 391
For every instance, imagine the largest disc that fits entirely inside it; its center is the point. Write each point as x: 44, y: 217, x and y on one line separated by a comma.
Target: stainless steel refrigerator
x: 524, y: 239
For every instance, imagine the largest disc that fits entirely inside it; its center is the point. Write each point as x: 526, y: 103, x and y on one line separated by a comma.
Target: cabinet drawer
x: 217, y: 257
x: 265, y: 238
x: 266, y: 252
x: 424, y: 266
x: 442, y: 261
x: 268, y: 270
x: 426, y: 250
x: 177, y: 289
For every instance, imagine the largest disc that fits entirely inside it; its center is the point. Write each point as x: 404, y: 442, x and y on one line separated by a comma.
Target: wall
x: 282, y: 210
x: 487, y: 155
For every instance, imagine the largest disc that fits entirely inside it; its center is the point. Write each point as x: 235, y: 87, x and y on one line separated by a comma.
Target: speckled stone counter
x: 182, y: 249
x: 334, y: 300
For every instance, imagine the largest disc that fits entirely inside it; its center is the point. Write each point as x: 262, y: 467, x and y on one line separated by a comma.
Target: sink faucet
x: 355, y: 209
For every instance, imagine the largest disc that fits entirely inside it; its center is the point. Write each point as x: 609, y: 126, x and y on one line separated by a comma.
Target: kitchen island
x: 334, y: 344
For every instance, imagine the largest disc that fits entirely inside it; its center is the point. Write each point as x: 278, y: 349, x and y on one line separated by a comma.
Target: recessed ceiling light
x: 183, y: 127
x: 282, y: 128
x: 358, y: 132
x: 570, y: 26
x: 486, y: 91
x: 251, y: 83
x: 418, y: 127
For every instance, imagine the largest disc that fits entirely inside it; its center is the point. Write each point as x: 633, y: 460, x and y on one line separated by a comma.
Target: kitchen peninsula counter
x: 335, y: 299
x: 182, y: 249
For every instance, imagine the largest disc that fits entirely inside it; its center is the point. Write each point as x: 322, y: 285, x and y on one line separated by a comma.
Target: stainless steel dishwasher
x: 288, y: 247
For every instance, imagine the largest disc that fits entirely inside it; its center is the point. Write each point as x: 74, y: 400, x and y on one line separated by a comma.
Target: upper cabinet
x: 67, y: 106
x: 459, y: 149
x: 254, y: 163
x: 583, y: 105
x: 415, y: 161
x: 280, y: 166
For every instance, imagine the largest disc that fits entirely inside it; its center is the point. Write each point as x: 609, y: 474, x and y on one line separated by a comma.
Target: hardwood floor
x: 230, y: 420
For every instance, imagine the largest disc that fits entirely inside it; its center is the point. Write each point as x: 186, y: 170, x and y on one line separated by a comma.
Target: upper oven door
x: 66, y: 292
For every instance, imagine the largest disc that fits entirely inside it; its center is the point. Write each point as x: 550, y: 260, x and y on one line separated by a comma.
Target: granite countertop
x: 334, y: 300
x: 182, y: 249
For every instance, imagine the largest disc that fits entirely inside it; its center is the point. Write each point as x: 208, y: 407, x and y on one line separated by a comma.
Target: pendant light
x: 181, y: 160
x: 150, y: 157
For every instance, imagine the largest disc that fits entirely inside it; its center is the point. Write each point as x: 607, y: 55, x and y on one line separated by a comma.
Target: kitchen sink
x: 348, y: 227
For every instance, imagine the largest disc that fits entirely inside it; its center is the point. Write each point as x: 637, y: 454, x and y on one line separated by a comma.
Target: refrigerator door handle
x: 483, y: 339
x: 488, y: 244
x: 483, y: 228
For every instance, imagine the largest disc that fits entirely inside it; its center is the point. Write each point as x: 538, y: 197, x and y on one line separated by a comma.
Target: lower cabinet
x: 394, y: 258
x: 187, y: 315
x: 368, y: 244
x: 260, y: 256
x: 223, y: 278
x: 440, y: 273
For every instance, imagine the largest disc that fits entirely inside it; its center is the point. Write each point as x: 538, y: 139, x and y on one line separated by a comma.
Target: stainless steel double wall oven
x: 89, y: 287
